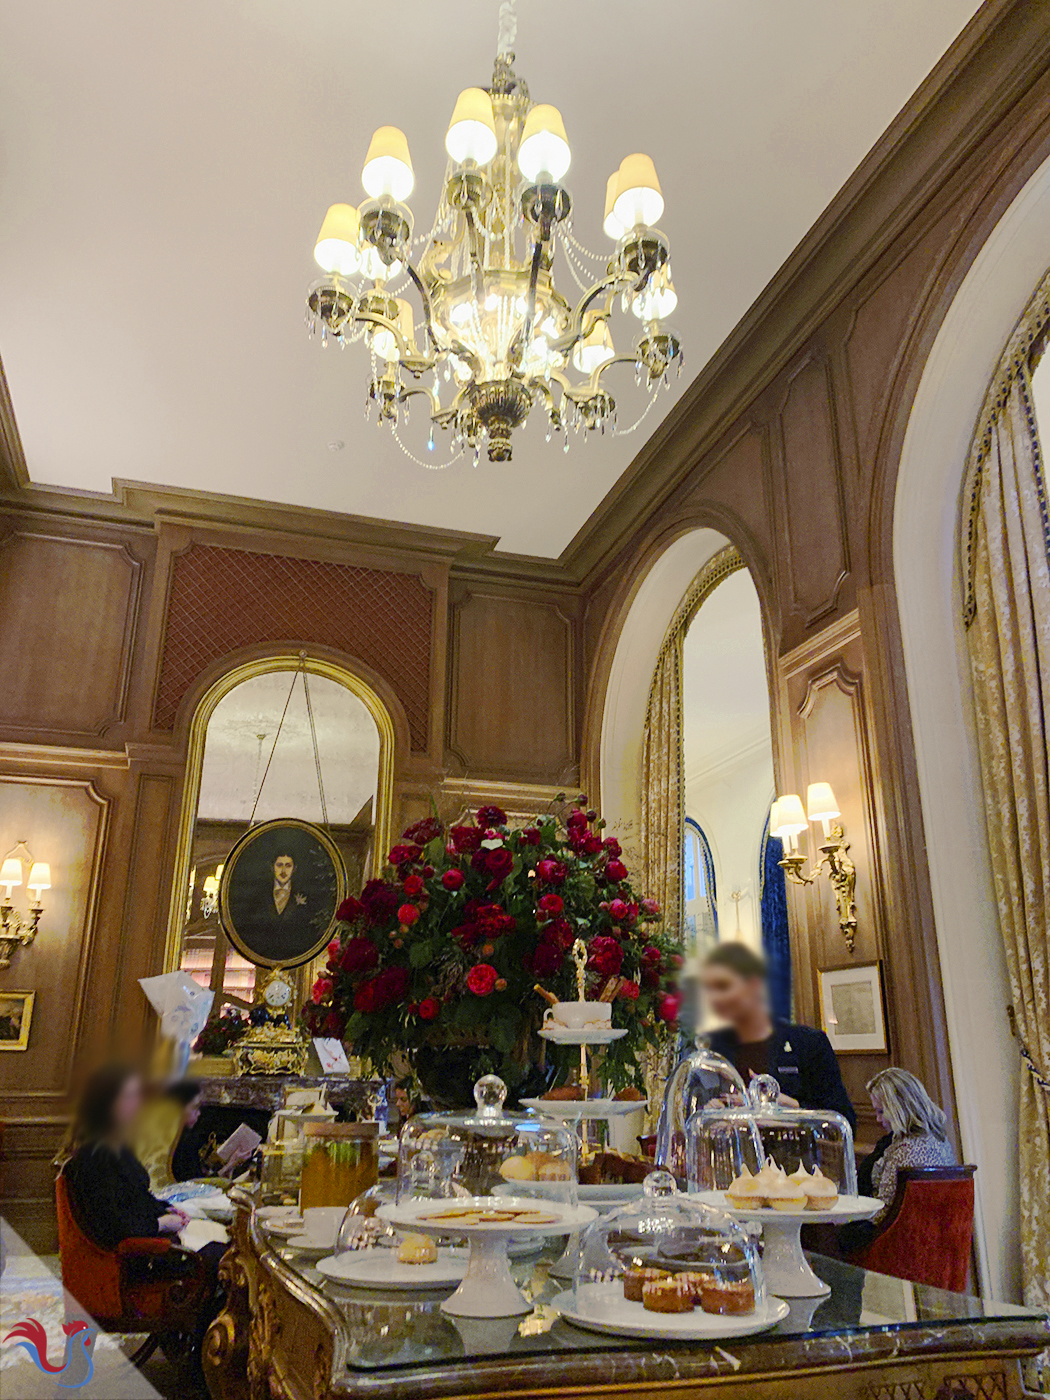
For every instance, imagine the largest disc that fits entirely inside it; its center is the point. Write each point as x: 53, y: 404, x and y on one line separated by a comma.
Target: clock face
x: 277, y: 993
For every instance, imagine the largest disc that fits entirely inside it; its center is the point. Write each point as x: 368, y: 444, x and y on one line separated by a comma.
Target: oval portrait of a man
x: 281, y: 886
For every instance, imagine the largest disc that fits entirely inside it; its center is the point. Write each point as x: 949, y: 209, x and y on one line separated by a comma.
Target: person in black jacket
x: 108, y: 1186
x: 734, y: 981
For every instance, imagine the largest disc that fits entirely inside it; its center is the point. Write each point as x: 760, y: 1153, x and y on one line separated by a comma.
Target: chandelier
x: 495, y: 338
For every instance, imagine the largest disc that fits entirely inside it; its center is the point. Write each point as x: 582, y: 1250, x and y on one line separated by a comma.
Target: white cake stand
x: 784, y: 1265
x: 487, y: 1290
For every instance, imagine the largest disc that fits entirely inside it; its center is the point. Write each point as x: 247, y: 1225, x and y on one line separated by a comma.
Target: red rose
x: 424, y: 831
x: 404, y: 855
x: 493, y: 919
x: 560, y: 934
x: 650, y: 907
x: 429, y: 1008
x: 452, y: 880
x: 481, y: 979
x: 651, y: 977
x: 391, y: 985
x: 466, y: 935
x: 380, y: 901
x: 496, y: 864
x: 551, y: 872
x: 550, y: 905
x: 321, y: 989
x: 629, y: 991
x: 667, y: 1010
x: 492, y: 816
x: 359, y: 955
x: 334, y: 948
x: 407, y: 915
x: 530, y: 836
x: 632, y: 911
x: 613, y: 846
x: 349, y: 911
x: 651, y: 955
x: 605, y: 956
x: 576, y: 819
x: 465, y: 839
x: 618, y: 911
x: 366, y: 998
x: 616, y: 871
x: 590, y: 845
x: 545, y: 959
x: 334, y: 1025
x: 414, y: 886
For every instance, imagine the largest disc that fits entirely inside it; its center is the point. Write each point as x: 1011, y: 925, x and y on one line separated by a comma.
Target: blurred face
x: 191, y: 1112
x: 127, y: 1104
x: 880, y: 1112
x: 402, y: 1103
x: 731, y: 997
x: 282, y: 869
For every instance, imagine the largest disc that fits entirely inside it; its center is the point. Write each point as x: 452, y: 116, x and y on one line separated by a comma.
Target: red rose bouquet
x: 448, y: 948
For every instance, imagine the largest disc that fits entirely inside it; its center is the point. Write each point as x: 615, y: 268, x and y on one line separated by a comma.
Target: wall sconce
x: 210, y: 897
x: 788, y: 820
x: 16, y: 931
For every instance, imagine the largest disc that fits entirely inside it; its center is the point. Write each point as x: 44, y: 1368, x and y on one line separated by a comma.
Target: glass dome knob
x: 423, y: 1171
x: 765, y: 1091
x: 489, y: 1095
x: 659, y: 1183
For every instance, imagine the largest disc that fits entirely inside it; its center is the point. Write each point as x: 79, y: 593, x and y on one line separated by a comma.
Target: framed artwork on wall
x: 16, y: 1014
x: 853, y: 1008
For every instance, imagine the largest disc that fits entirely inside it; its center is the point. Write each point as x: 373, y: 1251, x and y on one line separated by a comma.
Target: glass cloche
x: 699, y: 1080
x: 486, y: 1152
x: 725, y: 1143
x: 668, y: 1253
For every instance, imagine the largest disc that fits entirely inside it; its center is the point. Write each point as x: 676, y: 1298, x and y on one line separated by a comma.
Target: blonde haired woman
x: 918, y: 1130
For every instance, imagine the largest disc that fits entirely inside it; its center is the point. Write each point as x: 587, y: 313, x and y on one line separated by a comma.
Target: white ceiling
x: 164, y: 170
x: 243, y: 732
x: 725, y: 692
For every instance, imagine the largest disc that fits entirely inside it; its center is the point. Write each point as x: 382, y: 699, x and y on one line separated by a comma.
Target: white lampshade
x: 657, y: 298
x: 612, y: 225
x: 791, y: 819
x: 595, y: 349
x: 544, y: 146
x: 11, y: 872
x: 373, y: 266
x: 336, y: 247
x: 388, y: 165
x: 211, y: 884
x: 638, y: 196
x: 39, y: 876
x: 384, y: 342
x: 472, y: 130
x: 774, y: 818
x: 820, y: 802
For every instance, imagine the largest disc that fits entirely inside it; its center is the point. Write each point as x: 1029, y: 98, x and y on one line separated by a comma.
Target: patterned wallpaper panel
x: 225, y: 599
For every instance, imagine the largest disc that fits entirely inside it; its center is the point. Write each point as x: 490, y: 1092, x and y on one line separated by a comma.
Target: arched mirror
x: 288, y: 739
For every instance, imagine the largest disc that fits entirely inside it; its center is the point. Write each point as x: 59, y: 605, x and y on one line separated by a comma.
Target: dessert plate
x: 570, y: 1109
x: 371, y: 1268
x: 601, y: 1307
x: 586, y: 1035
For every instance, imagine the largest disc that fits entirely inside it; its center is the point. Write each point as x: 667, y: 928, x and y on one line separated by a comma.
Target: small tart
x: 821, y: 1194
x: 728, y: 1299
x: 553, y: 1170
x: 668, y: 1295
x: 783, y: 1194
x: 746, y: 1191
x: 518, y: 1169
x: 634, y: 1280
x: 417, y: 1249
x: 697, y: 1280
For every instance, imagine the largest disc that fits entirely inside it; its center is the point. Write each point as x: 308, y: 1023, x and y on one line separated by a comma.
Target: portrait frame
x: 24, y: 1002
x: 244, y: 875
x: 853, y: 1008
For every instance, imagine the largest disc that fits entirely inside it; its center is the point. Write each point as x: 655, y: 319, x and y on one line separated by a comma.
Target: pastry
x: 697, y: 1280
x: 567, y: 1093
x: 614, y: 1168
x: 782, y: 1194
x: 629, y: 1095
x: 635, y: 1279
x: 821, y: 1194
x: 747, y: 1192
x: 417, y: 1249
x: 553, y: 1170
x: 518, y: 1169
x: 733, y: 1299
x: 667, y: 1295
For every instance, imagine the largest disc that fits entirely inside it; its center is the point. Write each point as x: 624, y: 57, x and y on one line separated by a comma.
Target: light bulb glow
x: 791, y: 819
x: 544, y: 146
x: 39, y: 876
x: 657, y: 298
x: 373, y: 266
x: 638, y: 196
x: 594, y: 350
x: 472, y: 131
x: 388, y: 165
x: 336, y: 249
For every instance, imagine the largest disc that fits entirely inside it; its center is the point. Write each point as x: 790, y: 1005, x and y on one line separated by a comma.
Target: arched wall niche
x: 925, y: 541
x: 198, y: 709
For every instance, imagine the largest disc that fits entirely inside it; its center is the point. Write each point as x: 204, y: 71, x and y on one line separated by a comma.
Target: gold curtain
x: 1007, y: 572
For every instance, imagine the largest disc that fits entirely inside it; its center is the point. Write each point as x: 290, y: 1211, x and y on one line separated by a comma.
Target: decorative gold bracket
x: 841, y: 872
x: 16, y: 932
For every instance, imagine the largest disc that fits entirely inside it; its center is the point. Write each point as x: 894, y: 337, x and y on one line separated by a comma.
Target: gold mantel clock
x: 273, y: 1046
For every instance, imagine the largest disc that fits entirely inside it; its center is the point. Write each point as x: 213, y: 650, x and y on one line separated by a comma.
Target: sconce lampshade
x: 595, y: 349
x: 614, y: 229
x: 544, y: 146
x: 388, y: 165
x: 39, y: 876
x: 820, y: 803
x: 472, y: 131
x: 11, y: 871
x: 639, y: 199
x: 211, y: 884
x: 336, y: 247
x: 774, y: 818
x: 791, y: 819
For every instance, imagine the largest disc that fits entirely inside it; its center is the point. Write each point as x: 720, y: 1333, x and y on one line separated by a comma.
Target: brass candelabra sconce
x: 17, y: 930
x: 788, y: 820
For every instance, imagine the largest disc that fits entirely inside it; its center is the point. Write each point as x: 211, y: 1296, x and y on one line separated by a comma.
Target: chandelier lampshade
x: 388, y: 165
x: 472, y: 131
x: 490, y: 336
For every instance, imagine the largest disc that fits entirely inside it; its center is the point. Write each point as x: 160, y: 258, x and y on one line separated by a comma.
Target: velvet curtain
x: 1007, y: 571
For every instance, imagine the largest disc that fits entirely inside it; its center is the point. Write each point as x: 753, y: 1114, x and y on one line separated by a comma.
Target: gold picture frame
x: 317, y: 885
x: 16, y: 1016
x: 853, y: 1008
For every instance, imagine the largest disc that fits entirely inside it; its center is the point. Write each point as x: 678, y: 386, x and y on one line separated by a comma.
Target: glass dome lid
x: 700, y: 1080
x: 676, y: 1244
x: 487, y: 1152
x: 725, y: 1143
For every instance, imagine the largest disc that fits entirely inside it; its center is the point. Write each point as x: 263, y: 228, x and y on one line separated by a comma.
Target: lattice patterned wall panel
x: 225, y: 599
x: 992, y: 1386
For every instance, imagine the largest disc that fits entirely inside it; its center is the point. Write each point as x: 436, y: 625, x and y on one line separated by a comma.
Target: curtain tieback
x: 1033, y: 1068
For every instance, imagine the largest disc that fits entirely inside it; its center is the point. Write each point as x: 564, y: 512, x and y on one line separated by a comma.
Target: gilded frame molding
x: 237, y: 675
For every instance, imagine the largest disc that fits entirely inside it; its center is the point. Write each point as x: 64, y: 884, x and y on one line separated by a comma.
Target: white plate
x: 305, y: 1244
x: 588, y: 1035
x: 607, y: 1195
x: 568, y: 1110
x: 285, y: 1226
x: 601, y: 1307
x: 568, y: 1219
x: 845, y: 1208
x: 370, y: 1268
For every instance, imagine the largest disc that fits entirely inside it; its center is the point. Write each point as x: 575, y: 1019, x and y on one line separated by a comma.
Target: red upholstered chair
x: 146, y: 1285
x: 927, y: 1232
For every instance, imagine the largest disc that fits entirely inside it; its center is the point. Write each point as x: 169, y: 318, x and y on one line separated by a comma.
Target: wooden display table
x: 288, y: 1334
